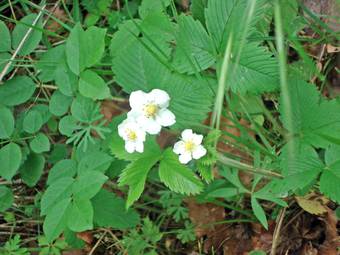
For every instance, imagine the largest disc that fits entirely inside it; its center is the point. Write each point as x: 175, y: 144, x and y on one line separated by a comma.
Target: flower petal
x: 166, y: 118
x: 130, y: 147
x: 160, y: 97
x: 139, y: 146
x: 121, y: 129
x: 197, y: 139
x: 199, y: 152
x: 187, y: 134
x: 179, y: 147
x: 149, y: 125
x: 137, y: 99
x: 185, y: 158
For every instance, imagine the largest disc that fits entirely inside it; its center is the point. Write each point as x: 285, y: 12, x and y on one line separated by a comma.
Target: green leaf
x: 10, y: 156
x: 259, y: 212
x: 329, y: 182
x: 32, y: 40
x: 134, y: 175
x: 224, y: 192
x: 4, y: 58
x: 80, y: 215
x: 32, y: 169
x: 109, y: 211
x: 94, y: 161
x: 197, y: 8
x: 151, y: 6
x: 84, y: 48
x: 6, y: 123
x: 83, y: 109
x: 57, y: 191
x: 177, y: 176
x: 93, y: 86
x: 194, y: 51
x: 6, y: 198
x: 40, y: 143
x: 16, y: 91
x: 5, y: 43
x: 332, y: 154
x: 56, y: 220
x: 63, y: 168
x: 88, y: 184
x: 67, y: 125
x: 32, y: 121
x: 59, y: 103
x: 256, y: 72
x: 66, y: 80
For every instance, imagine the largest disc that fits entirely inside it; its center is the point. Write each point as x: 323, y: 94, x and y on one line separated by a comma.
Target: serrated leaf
x: 32, y: 121
x: 32, y: 169
x: 197, y: 8
x: 80, y: 215
x: 6, y: 122
x: 6, y: 198
x: 134, y: 176
x: 10, y: 156
x: 63, y: 168
x: 5, y: 42
x: 194, y: 48
x: 259, y: 212
x: 177, y: 176
x: 16, y: 91
x: 88, y: 184
x: 94, y: 161
x: 109, y: 211
x: 57, y: 191
x: 32, y: 40
x: 91, y: 85
x: 329, y: 182
x: 59, y: 103
x: 40, y: 143
x: 56, y: 220
x: 151, y: 6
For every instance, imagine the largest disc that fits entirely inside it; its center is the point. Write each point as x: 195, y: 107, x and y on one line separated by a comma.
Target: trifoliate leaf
x: 32, y: 40
x: 80, y: 215
x: 177, y: 176
x: 32, y: 169
x: 6, y: 123
x: 40, y: 143
x: 59, y: 103
x: 5, y: 42
x: 16, y: 91
x: 91, y: 85
x: 10, y: 156
x: 6, y: 198
x: 88, y: 184
x: 63, y: 168
x: 32, y: 121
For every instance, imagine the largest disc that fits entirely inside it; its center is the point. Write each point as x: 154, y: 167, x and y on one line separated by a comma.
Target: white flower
x: 150, y: 110
x: 133, y: 135
x: 189, y: 147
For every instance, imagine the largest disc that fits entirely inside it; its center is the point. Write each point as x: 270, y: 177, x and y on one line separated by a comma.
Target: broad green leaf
x: 16, y: 91
x: 56, y: 220
x: 329, y: 182
x: 6, y: 198
x: 197, y: 8
x: 63, y: 168
x: 224, y: 192
x: 66, y: 80
x: 194, y: 48
x: 94, y: 161
x: 83, y: 109
x: 332, y: 154
x: 32, y: 169
x: 88, y: 184
x: 134, y: 176
x: 67, y: 125
x: 40, y: 143
x: 93, y: 86
x: 84, y: 48
x: 33, y: 39
x: 259, y: 212
x: 6, y: 122
x: 4, y: 58
x: 32, y: 121
x: 177, y: 176
x: 80, y: 215
x: 59, y: 103
x: 5, y: 42
x: 57, y: 191
x: 109, y: 211
x: 151, y: 6
x: 44, y: 111
x: 10, y: 158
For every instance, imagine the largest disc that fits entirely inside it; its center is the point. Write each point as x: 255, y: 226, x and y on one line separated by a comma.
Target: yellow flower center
x: 150, y: 110
x: 132, y: 135
x: 189, y: 146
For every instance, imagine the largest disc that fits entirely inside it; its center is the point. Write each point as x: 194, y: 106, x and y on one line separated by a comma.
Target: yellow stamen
x: 131, y: 135
x: 151, y: 110
x: 189, y: 146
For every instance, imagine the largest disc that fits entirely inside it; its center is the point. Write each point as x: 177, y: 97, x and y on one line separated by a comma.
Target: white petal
x: 160, y: 97
x: 179, y: 147
x: 139, y: 147
x: 140, y: 134
x: 121, y: 129
x: 137, y: 99
x: 185, y: 158
x: 133, y: 115
x: 166, y: 118
x: 149, y: 125
x: 187, y: 134
x: 199, y: 152
x: 197, y: 139
x: 130, y: 147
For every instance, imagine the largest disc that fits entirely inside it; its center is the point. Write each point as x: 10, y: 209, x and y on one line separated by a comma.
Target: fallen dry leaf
x: 312, y: 204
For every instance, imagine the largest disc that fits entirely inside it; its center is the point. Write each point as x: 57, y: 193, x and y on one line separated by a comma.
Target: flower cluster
x: 149, y: 113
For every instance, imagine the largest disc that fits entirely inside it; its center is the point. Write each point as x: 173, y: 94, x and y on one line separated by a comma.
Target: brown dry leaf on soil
x: 313, y: 203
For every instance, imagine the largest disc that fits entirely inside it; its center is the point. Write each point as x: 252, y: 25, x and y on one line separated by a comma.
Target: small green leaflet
x: 32, y: 169
x: 80, y: 215
x: 59, y: 103
x: 32, y: 121
x: 6, y: 122
x: 10, y: 156
x: 40, y: 143
x: 93, y: 86
x: 259, y: 212
x: 5, y: 42
x: 88, y: 184
x: 6, y: 198
x: 63, y: 168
